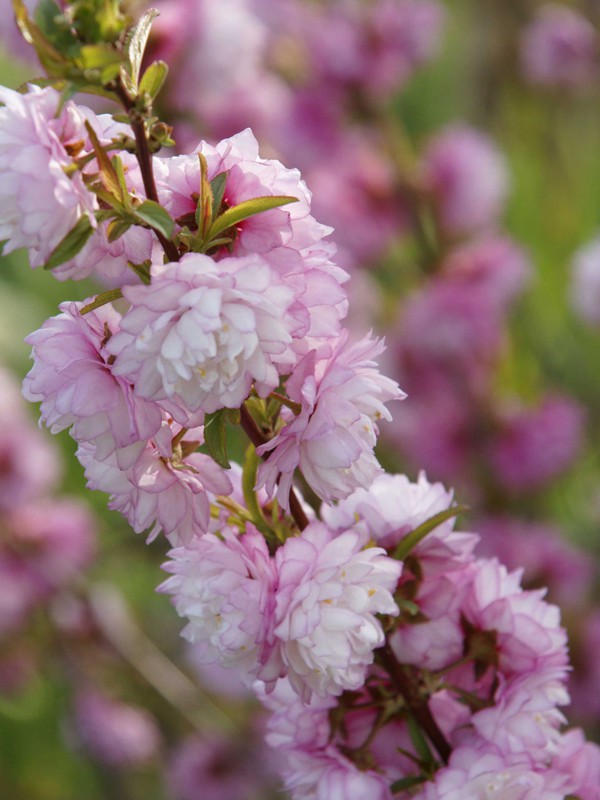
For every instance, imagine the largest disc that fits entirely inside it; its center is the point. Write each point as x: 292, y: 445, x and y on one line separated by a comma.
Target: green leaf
x: 71, y: 244
x: 117, y: 165
x: 117, y: 228
x: 406, y: 783
x: 153, y: 78
x: 156, y: 217
x: 98, y: 56
x: 218, y: 189
x: 406, y: 545
x: 236, y: 214
x: 142, y: 271
x: 55, y: 63
x: 107, y: 172
x: 135, y: 48
x: 101, y: 300
x: 51, y: 21
x: 204, y: 207
x: 251, y: 462
x: 419, y: 741
x: 215, y: 437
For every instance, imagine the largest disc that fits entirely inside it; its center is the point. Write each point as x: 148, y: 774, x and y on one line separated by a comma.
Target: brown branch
x: 405, y: 680
x: 144, y: 158
x: 253, y: 432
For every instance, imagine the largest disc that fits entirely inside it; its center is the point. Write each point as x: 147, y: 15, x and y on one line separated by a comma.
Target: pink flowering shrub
x: 394, y: 659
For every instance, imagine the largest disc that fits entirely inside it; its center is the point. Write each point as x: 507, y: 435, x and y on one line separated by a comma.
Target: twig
x: 256, y: 437
x: 405, y: 681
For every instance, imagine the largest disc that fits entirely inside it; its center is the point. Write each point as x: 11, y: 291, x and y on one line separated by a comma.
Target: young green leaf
x: 406, y: 545
x: 153, y: 78
x: 134, y: 50
x: 101, y: 300
x: 142, y: 271
x: 116, y: 228
x: 215, y: 437
x: 156, y: 217
x: 251, y: 462
x: 98, y: 56
x: 217, y: 185
x: 120, y: 173
x: 109, y: 177
x: 205, y: 206
x: 71, y: 244
x: 236, y: 214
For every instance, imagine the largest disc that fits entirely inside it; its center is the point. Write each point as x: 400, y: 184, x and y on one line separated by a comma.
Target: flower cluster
x: 393, y: 658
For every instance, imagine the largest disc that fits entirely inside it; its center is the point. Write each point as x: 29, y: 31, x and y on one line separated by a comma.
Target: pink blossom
x: 163, y: 490
x: 74, y: 379
x: 559, y: 48
x: 525, y: 717
x: 328, y: 593
x: 393, y: 506
x: 288, y: 238
x: 529, y: 636
x: 117, y: 734
x: 480, y: 773
x: 436, y: 638
x: 328, y: 775
x: 39, y: 201
x: 332, y: 438
x: 468, y: 179
x: 308, y: 760
x: 225, y: 588
x: 203, y: 332
x: 294, y: 723
x: 580, y: 760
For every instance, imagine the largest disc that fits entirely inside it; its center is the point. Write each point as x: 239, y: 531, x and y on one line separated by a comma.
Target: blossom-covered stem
x: 145, y: 161
x: 406, y: 683
x: 253, y: 433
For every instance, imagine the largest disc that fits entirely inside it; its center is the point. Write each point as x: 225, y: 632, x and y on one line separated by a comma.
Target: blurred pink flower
x: 559, y: 48
x: 534, y: 446
x: 119, y: 735
x: 467, y: 177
